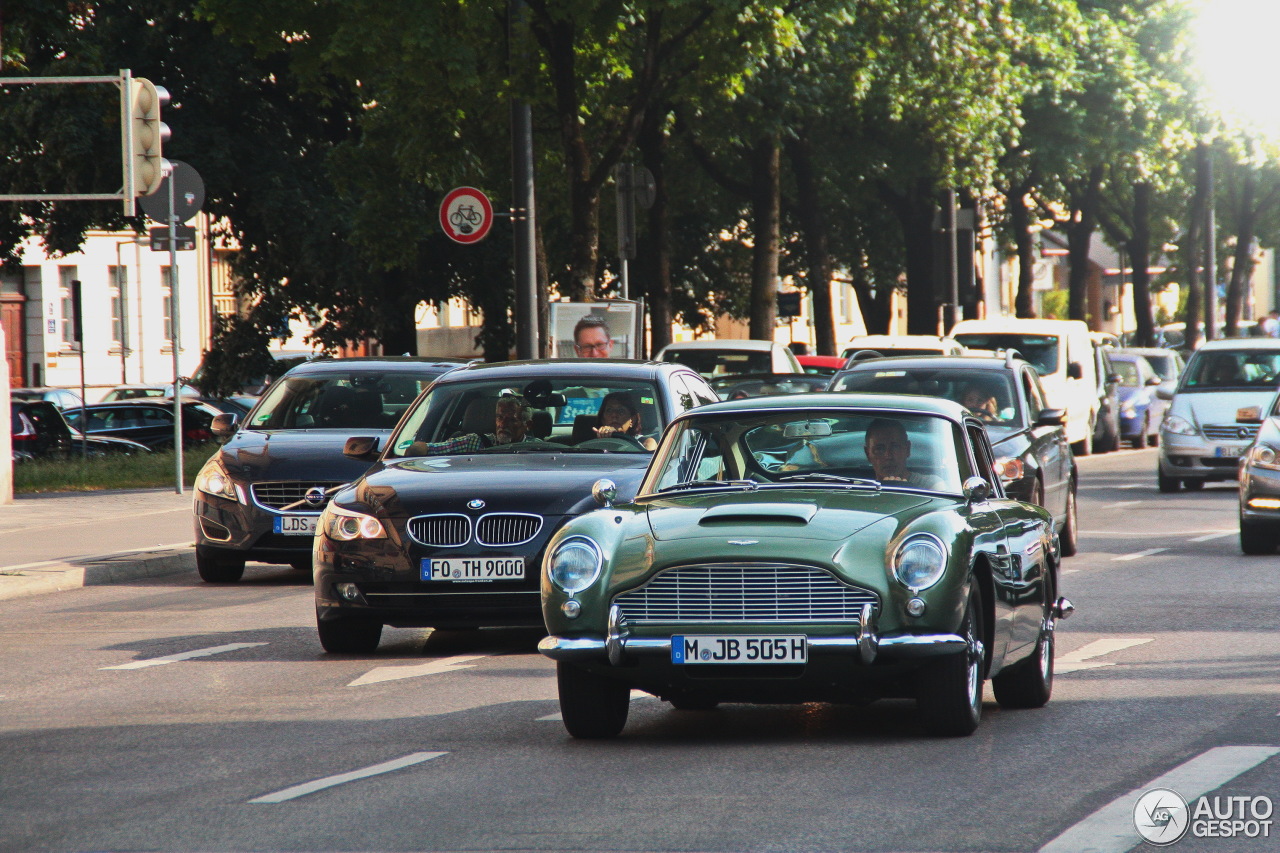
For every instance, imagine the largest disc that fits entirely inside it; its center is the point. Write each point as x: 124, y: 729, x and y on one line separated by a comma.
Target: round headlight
x: 575, y: 564
x: 346, y: 525
x: 920, y: 562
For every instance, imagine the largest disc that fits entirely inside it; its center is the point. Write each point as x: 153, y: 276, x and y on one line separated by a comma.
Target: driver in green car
x: 511, y: 417
x: 887, y: 448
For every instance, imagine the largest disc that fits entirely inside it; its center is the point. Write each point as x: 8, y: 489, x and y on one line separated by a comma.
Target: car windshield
x: 807, y: 448
x: 988, y: 394
x: 893, y: 351
x: 1165, y: 365
x: 562, y: 414
x: 1040, y: 350
x: 712, y: 362
x: 1128, y: 373
x: 352, y: 400
x: 1224, y: 369
x: 738, y: 387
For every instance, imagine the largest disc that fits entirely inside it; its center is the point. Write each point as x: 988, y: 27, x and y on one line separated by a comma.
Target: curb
x: 41, y: 578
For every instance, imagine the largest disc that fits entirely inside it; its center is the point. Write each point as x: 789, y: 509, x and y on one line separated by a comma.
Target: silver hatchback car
x: 1214, y: 411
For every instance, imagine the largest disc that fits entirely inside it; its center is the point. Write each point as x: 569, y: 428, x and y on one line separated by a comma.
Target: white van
x: 1061, y: 352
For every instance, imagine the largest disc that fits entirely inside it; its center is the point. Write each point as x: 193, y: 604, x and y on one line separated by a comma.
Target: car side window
x: 701, y: 392
x: 1035, y: 394
x: 983, y: 458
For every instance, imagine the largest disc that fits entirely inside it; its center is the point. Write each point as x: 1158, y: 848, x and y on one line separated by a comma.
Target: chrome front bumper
x: 619, y: 646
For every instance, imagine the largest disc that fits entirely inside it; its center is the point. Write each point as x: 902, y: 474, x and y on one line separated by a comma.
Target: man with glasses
x: 591, y: 338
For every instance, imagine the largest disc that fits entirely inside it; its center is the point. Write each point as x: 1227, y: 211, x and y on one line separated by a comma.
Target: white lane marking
x: 1071, y: 571
x: 198, y: 653
x: 1133, y: 486
x: 1222, y: 534
x: 1079, y: 659
x: 394, y: 673
x: 1110, y: 829
x: 1138, y: 555
x: 557, y: 717
x: 342, y: 778
x: 1120, y: 504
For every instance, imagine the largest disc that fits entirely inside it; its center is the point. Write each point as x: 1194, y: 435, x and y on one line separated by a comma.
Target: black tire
x: 218, y: 566
x: 1140, y: 440
x: 1165, y: 483
x: 1110, y: 438
x: 1084, y: 447
x: 592, y: 707
x: 694, y: 703
x: 949, y: 689
x: 1069, y: 537
x: 1037, y: 493
x: 1256, y: 539
x: 1153, y: 440
x: 302, y: 564
x: 1029, y: 683
x: 349, y: 635
x: 1193, y: 485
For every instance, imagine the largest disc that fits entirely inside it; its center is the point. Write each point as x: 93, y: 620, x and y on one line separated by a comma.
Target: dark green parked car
x: 825, y: 547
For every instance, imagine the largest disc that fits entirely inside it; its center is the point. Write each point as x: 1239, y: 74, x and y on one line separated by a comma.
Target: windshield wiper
x: 749, y: 485
x: 831, y: 478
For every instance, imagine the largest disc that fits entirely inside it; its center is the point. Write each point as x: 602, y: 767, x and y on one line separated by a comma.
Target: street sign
x: 466, y: 215
x: 188, y: 195
x: 160, y: 238
x: 789, y: 303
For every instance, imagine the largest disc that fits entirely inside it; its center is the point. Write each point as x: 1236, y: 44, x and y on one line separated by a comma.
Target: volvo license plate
x: 739, y: 648
x: 295, y: 525
x: 473, y: 569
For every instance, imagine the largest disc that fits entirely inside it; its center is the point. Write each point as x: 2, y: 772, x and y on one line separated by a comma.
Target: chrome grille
x: 745, y: 592
x: 507, y: 528
x: 447, y: 530
x: 281, y: 495
x: 1230, y: 432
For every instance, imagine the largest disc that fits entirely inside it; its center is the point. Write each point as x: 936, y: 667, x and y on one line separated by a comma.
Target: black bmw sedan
x: 258, y: 497
x: 1033, y: 457
x: 448, y: 526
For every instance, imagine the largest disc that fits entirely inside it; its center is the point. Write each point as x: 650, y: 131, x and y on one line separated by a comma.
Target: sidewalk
x: 68, y: 540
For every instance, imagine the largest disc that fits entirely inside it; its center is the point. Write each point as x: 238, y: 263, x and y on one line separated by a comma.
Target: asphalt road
x: 170, y: 715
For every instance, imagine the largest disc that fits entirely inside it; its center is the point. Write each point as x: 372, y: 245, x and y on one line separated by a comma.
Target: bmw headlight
x: 920, y: 562
x: 345, y: 525
x: 213, y: 480
x: 1264, y: 456
x: 575, y: 564
x: 1177, y: 425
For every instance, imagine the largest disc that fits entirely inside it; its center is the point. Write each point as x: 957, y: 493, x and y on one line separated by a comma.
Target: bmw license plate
x: 473, y: 569
x: 295, y: 525
x: 739, y: 648
x: 1227, y: 452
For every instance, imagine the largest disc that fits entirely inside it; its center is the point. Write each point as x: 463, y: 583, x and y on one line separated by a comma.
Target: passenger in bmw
x: 512, y: 415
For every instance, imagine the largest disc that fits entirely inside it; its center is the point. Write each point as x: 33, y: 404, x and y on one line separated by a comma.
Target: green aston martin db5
x: 824, y: 547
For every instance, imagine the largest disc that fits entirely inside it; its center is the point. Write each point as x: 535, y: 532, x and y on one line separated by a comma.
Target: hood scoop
x: 800, y: 514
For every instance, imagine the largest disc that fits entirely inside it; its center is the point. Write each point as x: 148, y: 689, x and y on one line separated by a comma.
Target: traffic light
x: 148, y: 135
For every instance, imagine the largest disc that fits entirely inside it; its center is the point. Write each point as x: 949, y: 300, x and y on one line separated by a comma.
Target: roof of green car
x: 844, y: 400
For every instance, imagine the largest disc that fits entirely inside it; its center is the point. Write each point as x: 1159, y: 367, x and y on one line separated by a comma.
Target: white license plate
x: 739, y: 648
x: 473, y: 569
x: 295, y: 525
x: 1225, y: 452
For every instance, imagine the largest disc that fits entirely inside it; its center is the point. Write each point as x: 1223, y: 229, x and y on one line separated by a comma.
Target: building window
x: 66, y: 275
x: 118, y: 287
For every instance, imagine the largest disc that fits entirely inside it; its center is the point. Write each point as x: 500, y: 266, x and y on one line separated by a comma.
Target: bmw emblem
x: 314, y: 496
x: 475, y: 503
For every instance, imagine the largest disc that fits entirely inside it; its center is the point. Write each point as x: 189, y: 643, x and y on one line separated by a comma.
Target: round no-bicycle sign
x: 466, y: 215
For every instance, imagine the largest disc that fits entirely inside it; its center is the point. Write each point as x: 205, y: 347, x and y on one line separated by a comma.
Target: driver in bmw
x: 511, y: 426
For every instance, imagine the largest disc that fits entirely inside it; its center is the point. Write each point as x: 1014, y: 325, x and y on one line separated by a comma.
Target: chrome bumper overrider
x: 864, y: 642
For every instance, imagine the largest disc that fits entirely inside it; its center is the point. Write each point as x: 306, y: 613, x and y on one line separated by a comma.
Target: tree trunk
x: 654, y: 262
x: 875, y: 306
x: 915, y: 210
x: 1242, y: 259
x: 766, y: 214
x: 1192, y: 248
x: 1020, y: 221
x: 813, y: 223
x: 1138, y: 247
x: 1084, y: 220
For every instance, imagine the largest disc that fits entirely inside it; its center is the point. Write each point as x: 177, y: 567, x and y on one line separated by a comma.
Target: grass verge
x: 150, y: 470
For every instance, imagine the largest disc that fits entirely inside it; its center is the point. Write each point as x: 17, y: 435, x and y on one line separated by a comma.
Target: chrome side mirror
x: 977, y: 489
x: 605, y: 491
